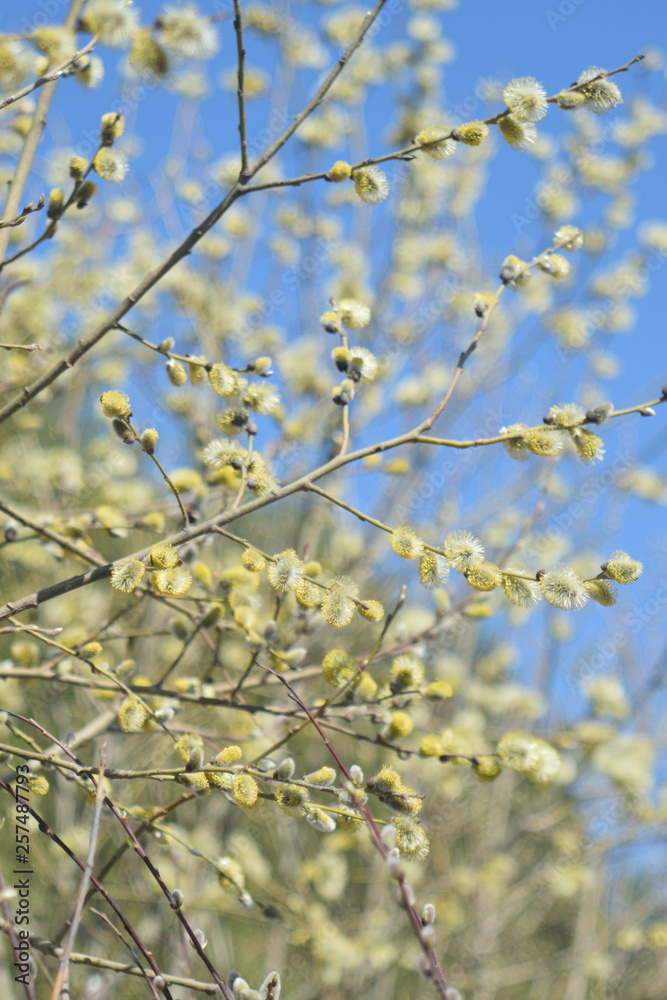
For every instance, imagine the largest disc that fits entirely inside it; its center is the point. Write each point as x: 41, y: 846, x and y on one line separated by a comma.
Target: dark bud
x: 480, y: 309
x: 123, y: 431
x: 251, y: 428
x: 237, y: 464
x: 540, y: 573
x: 648, y: 411
x: 10, y: 530
x: 252, y: 483
x: 598, y: 414
x: 548, y: 419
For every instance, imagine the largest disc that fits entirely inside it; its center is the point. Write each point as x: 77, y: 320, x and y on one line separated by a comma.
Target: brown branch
x: 50, y: 832
x: 238, y: 28
x: 24, y: 213
x: 62, y: 976
x: 51, y: 77
x: 184, y: 248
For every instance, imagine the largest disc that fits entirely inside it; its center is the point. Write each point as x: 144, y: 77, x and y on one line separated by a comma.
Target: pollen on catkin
x: 589, y: 446
x: 484, y: 576
x: 406, y: 543
x: 340, y: 171
x: 463, y: 550
x: 569, y: 237
x: 526, y: 99
x: 228, y: 756
x: 110, y: 164
x: 114, y: 23
x: 330, y: 321
x: 338, y: 667
x: 541, y: 441
x: 308, y: 594
x: 320, y: 819
x: 431, y: 745
x: 438, y: 690
x: 372, y: 611
x: 149, y: 440
x: 127, y: 574
x: 371, y: 185
x: 286, y: 572
x: 518, y: 134
x: 187, y: 743
x: 189, y: 33
x: 516, y: 447
x: 115, y: 404
x: 354, y: 315
x: 113, y: 125
x: 519, y: 751
x: 324, y: 777
x: 147, y: 57
x: 565, y: 415
x: 603, y: 94
x: 337, y: 605
x: 245, y: 790
x: 622, y: 568
x: 38, y: 784
x: 562, y: 587
x: 433, y: 570
x: 471, y: 133
x: 253, y: 560
x: 292, y: 800
x: 486, y: 767
x: 412, y: 842
x: 132, y: 714
x: 436, y: 141
x: 163, y: 555
x: 407, y: 672
x: 176, y: 373
x: 77, y: 167
x: 222, y: 379
x: 400, y: 724
x: 522, y: 593
x: 172, y: 582
x: 555, y: 264
x: 571, y: 100
x: 601, y: 591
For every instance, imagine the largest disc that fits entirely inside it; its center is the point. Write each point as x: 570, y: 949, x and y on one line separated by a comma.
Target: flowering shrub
x: 327, y: 738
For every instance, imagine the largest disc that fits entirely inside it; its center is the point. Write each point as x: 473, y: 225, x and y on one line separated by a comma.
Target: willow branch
x: 51, y: 77
x: 37, y: 125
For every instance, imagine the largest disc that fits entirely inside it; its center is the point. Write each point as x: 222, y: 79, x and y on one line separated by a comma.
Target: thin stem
x: 61, y: 979
x: 238, y: 28
x: 37, y: 126
x: 21, y: 347
x: 362, y: 809
x: 46, y: 829
x: 205, y: 527
x: 51, y: 77
x: 183, y: 250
